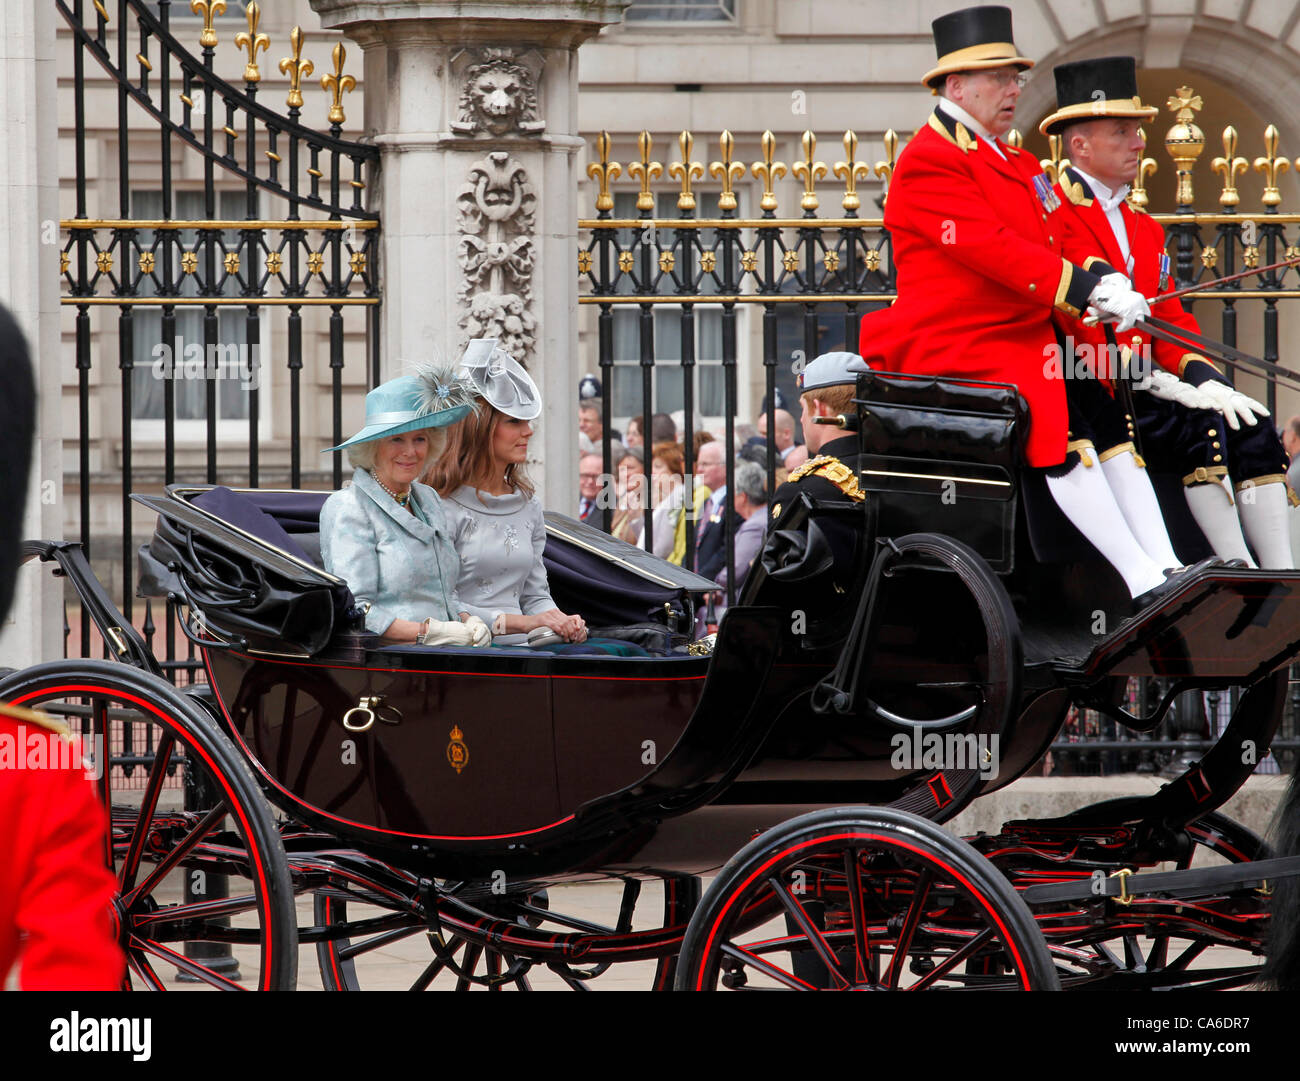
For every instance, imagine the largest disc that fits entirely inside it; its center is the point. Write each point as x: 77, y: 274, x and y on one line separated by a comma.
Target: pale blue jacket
x: 390, y: 559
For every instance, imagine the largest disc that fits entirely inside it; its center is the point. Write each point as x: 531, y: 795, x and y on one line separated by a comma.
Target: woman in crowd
x: 386, y: 534
x: 629, y: 518
x: 668, y: 489
x: 494, y: 518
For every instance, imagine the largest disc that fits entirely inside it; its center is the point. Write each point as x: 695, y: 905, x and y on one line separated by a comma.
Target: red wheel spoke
x: 800, y: 916
x: 908, y: 931
x: 352, y: 949
x: 140, y: 965
x: 186, y: 964
x: 196, y: 910
x: 157, y: 774
x: 210, y: 822
x: 973, y: 946
x: 861, y: 944
x: 766, y: 967
x: 430, y: 972
x: 1188, y: 956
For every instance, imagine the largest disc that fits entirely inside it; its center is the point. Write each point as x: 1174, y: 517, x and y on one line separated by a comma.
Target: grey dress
x: 500, y: 539
x: 403, y: 565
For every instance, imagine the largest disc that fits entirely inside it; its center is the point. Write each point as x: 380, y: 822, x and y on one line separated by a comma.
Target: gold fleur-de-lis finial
x: 1014, y: 138
x: 809, y: 171
x: 1272, y: 167
x: 251, y: 40
x: 296, y: 68
x: 209, y: 9
x: 850, y: 170
x: 338, y: 83
x: 768, y: 171
x: 604, y: 171
x: 1229, y: 167
x: 885, y: 169
x: 727, y: 171
x: 686, y: 171
x: 645, y: 171
x: 1137, y: 198
x: 1054, y: 165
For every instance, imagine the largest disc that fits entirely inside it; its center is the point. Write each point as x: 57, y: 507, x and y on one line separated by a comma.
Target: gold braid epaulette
x: 31, y: 716
x: 835, y: 471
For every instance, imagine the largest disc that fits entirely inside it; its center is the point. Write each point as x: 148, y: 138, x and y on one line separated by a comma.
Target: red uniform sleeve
x: 931, y: 197
x: 63, y: 907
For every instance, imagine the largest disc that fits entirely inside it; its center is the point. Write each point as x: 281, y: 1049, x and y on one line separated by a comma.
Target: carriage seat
x: 943, y: 456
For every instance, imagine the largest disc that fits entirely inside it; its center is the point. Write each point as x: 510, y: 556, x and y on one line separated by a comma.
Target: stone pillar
x: 29, y: 287
x: 473, y: 104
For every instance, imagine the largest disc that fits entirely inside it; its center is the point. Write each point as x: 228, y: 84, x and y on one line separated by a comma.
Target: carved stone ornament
x: 497, y: 212
x: 498, y: 96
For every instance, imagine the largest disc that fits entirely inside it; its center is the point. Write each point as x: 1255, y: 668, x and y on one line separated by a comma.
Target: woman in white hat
x: 387, y: 535
x: 493, y: 515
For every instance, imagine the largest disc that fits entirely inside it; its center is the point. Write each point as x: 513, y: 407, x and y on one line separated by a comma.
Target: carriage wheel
x: 862, y: 898
x: 204, y: 895
x: 1174, y: 958
x: 359, y: 928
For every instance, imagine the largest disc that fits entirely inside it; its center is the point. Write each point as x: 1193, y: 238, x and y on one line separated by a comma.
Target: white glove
x: 448, y: 633
x: 1166, y: 385
x: 1113, y: 296
x: 479, y: 633
x: 1232, y: 403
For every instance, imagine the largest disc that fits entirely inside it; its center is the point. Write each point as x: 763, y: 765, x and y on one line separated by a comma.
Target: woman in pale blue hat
x: 387, y: 534
x: 494, y: 518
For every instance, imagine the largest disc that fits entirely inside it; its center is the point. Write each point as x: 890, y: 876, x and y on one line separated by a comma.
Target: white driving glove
x: 1113, y: 296
x: 1166, y: 385
x: 480, y: 635
x: 1232, y: 403
x: 448, y: 633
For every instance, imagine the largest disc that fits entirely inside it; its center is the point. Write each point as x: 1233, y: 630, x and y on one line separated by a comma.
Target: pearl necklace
x: 401, y: 500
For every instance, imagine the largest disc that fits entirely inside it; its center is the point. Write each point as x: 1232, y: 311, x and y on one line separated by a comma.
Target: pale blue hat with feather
x: 433, y: 397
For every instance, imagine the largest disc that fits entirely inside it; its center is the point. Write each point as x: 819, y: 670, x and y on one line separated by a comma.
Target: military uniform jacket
x: 1090, y: 241
x: 977, y: 246
x: 828, y: 477
x: 55, y: 886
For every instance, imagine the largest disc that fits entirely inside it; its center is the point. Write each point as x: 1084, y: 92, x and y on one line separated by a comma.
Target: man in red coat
x: 56, y: 890
x: 976, y: 232
x: 1190, y: 419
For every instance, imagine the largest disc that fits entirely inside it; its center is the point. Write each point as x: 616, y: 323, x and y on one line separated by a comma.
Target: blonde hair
x: 362, y: 455
x: 467, y: 459
x: 838, y: 399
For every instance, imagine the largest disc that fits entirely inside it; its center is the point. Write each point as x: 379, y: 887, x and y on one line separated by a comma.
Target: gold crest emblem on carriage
x: 457, y: 752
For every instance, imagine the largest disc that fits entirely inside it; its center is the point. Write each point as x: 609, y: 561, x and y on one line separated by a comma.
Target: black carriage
x: 441, y: 792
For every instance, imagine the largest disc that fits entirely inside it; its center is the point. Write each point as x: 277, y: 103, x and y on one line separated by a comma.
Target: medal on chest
x: 1046, y: 195
x: 1164, y: 271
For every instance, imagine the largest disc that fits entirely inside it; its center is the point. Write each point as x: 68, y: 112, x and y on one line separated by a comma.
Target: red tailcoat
x: 980, y: 272
x: 1090, y: 241
x: 55, y: 887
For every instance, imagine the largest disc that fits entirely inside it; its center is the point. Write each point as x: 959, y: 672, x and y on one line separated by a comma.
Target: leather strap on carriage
x: 1234, y: 358
x: 1127, y: 886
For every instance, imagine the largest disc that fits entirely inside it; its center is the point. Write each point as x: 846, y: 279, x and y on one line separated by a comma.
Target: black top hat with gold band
x: 1091, y: 89
x: 973, y: 39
